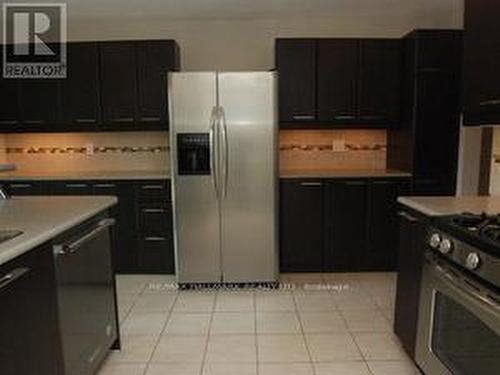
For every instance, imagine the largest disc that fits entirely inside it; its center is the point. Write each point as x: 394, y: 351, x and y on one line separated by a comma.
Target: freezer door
x: 249, y: 176
x: 193, y: 99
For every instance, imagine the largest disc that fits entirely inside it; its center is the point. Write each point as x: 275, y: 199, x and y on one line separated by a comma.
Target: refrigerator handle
x: 225, y: 152
x: 213, y: 146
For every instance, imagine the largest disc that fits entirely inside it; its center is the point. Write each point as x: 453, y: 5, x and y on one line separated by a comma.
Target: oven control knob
x: 435, y: 241
x: 446, y: 246
x: 473, y: 261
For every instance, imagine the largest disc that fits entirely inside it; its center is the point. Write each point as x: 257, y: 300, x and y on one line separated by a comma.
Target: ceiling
x: 239, y: 9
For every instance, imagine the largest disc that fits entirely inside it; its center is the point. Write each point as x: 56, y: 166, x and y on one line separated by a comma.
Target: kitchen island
x: 58, y: 311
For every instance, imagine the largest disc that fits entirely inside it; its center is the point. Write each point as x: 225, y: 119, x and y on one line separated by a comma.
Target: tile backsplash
x: 86, y: 151
x: 335, y: 149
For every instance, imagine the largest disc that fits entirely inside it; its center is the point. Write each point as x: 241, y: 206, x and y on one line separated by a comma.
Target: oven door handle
x: 462, y: 288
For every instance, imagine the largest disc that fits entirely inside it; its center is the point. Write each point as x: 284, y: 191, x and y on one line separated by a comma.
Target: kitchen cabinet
x: 338, y: 69
x: 426, y: 143
x: 110, y: 86
x: 155, y: 59
x: 80, y: 90
x: 119, y: 84
x: 296, y: 64
x: 144, y: 229
x: 382, y: 224
x: 380, y: 81
x: 410, y: 260
x: 301, y: 225
x: 339, y: 82
x: 30, y: 341
x: 346, y: 226
x: 481, y: 91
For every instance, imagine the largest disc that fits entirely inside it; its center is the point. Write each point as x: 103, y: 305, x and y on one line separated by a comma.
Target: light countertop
x: 437, y: 206
x: 85, y: 175
x: 43, y: 218
x: 342, y: 173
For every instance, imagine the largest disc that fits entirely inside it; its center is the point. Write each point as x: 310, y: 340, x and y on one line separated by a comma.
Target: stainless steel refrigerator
x: 224, y: 168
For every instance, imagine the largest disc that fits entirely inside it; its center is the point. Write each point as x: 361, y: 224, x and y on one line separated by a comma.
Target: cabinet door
x: 338, y: 71
x: 346, y: 225
x: 119, y: 84
x: 155, y: 60
x: 379, y: 85
x: 410, y: 258
x: 9, y: 110
x: 29, y: 343
x: 481, y: 56
x: 296, y: 64
x: 80, y: 90
x: 301, y: 226
x: 40, y: 104
x: 383, y: 224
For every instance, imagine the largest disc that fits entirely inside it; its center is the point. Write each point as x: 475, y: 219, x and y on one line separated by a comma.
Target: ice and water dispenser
x: 193, y: 153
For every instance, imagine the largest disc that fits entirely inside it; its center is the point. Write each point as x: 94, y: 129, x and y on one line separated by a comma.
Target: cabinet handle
x: 104, y: 185
x: 490, y: 102
x: 344, y: 117
x: 33, y: 122
x: 85, y: 121
x: 8, y: 122
x: 382, y: 182
x: 76, y: 185
x: 13, y: 276
x: 122, y: 119
x: 355, y: 183
x: 153, y: 210
x: 407, y: 216
x: 310, y: 184
x: 371, y: 117
x: 154, y: 239
x: 149, y: 119
x: 303, y: 117
x: 152, y: 187
x: 20, y: 186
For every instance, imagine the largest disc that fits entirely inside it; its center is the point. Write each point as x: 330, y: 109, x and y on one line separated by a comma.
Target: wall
x: 249, y: 44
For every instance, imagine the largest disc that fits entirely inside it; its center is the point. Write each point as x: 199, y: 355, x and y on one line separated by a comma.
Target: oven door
x: 459, y: 323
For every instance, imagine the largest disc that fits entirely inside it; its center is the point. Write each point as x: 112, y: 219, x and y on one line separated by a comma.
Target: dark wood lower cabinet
x: 301, y: 221
x: 29, y: 316
x: 346, y: 228
x: 143, y: 213
x: 337, y: 225
x: 410, y: 259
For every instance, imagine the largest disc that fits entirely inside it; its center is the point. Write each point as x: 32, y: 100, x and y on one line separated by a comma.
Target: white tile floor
x: 342, y: 327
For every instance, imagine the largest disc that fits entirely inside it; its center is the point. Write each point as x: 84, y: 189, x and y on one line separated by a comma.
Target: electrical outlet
x: 89, y: 149
x: 338, y: 145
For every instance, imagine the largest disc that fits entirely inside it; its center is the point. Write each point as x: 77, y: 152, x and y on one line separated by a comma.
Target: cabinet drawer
x: 71, y: 188
x: 153, y: 191
x: 27, y: 188
x: 156, y: 254
x: 155, y: 219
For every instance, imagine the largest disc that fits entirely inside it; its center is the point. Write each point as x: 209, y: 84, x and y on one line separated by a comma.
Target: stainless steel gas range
x: 459, y: 317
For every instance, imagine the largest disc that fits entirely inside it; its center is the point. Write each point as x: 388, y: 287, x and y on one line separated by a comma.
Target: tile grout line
x: 169, y: 313
x: 256, y: 340
x: 311, y: 361
x: 214, y: 304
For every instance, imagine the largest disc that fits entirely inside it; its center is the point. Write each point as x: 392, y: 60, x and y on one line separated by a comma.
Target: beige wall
x: 249, y: 44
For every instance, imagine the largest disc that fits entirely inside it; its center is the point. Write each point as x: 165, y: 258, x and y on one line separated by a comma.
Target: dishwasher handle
x: 71, y: 248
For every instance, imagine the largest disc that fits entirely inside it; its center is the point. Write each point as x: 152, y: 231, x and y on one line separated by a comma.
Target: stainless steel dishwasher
x: 86, y: 294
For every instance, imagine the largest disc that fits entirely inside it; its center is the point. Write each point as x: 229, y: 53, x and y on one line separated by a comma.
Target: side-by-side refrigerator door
x: 193, y: 134
x: 248, y: 176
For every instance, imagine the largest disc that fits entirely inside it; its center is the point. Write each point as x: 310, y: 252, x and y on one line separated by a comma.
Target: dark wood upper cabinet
x: 380, y: 81
x: 481, y: 93
x: 301, y: 222
x: 80, y: 90
x: 39, y: 104
x: 338, y: 72
x: 296, y: 64
x: 155, y: 60
x: 119, y: 84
